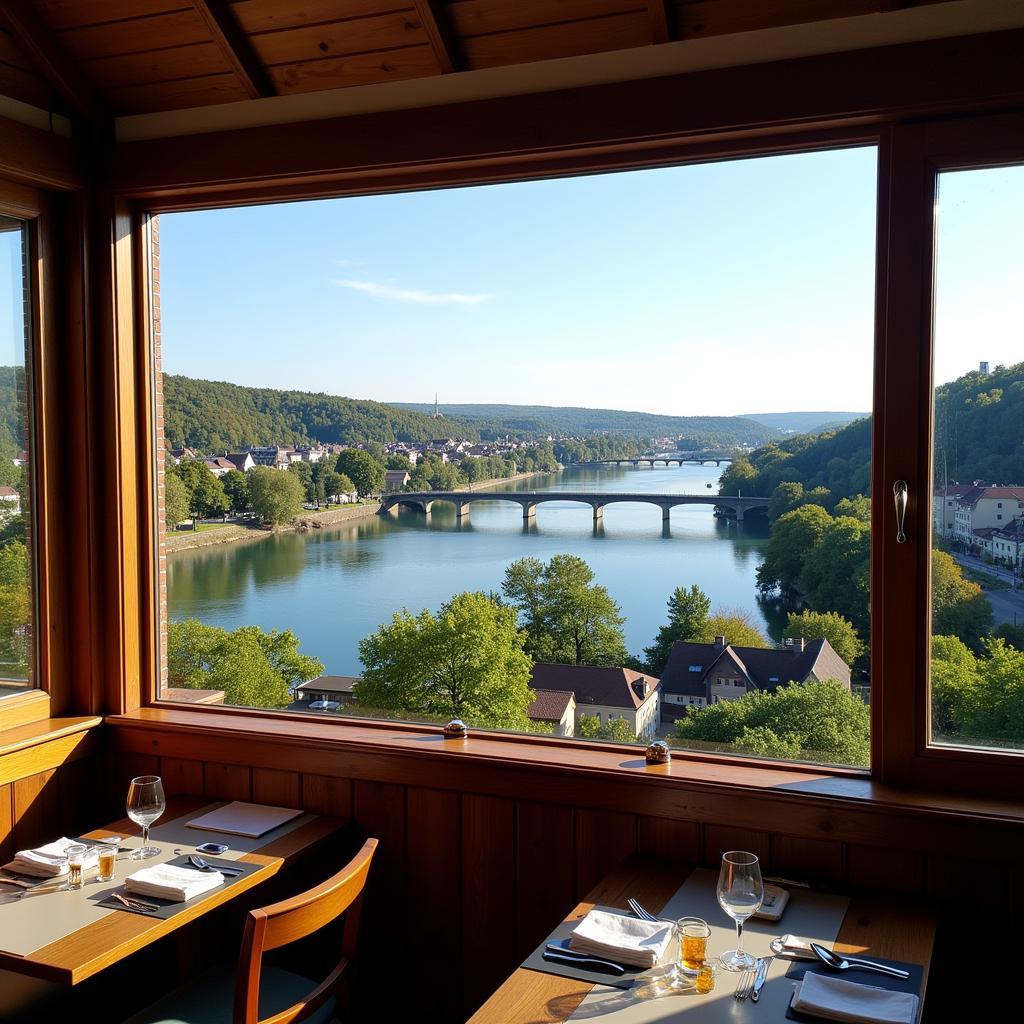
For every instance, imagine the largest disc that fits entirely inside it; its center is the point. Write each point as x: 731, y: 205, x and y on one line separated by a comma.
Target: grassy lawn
x: 985, y: 580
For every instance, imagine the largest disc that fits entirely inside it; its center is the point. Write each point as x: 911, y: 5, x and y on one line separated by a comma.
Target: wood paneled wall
x: 472, y: 880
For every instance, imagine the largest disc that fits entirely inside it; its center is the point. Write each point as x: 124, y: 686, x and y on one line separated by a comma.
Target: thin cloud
x: 389, y: 293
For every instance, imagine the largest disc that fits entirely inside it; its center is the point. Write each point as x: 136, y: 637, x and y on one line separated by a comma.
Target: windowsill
x: 599, y: 763
x: 24, y: 736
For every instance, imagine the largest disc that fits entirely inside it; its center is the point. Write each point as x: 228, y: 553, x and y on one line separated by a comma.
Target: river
x: 334, y: 586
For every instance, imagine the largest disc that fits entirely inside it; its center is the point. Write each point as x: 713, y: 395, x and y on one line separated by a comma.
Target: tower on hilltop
x: 438, y: 415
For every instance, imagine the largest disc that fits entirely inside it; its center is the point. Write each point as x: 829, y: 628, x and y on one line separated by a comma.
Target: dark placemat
x: 536, y: 962
x: 168, y: 908
x: 891, y: 984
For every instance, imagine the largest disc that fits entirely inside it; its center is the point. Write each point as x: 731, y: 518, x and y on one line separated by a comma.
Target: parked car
x: 324, y: 705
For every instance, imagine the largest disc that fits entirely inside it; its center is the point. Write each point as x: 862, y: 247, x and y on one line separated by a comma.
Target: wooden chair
x: 255, y: 994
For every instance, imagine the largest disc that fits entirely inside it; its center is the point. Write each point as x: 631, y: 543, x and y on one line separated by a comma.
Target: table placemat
x: 168, y: 908
x: 39, y: 918
x: 811, y: 915
x: 890, y: 984
x: 536, y: 962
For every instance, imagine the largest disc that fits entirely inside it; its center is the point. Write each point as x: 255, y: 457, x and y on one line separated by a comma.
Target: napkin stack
x: 624, y: 939
x: 49, y: 861
x: 795, y: 947
x: 167, y: 882
x: 836, y: 999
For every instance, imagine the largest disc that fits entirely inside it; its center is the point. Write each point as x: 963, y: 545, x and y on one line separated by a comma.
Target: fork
x: 134, y: 904
x: 743, y: 985
x: 639, y: 911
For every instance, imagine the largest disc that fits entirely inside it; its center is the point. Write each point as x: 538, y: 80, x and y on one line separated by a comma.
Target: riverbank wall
x: 239, y: 533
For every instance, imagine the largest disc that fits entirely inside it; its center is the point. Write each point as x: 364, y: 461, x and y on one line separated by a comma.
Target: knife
x: 762, y: 976
x: 584, y: 962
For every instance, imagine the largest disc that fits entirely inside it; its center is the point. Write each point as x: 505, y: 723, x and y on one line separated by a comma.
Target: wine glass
x: 145, y: 804
x: 740, y: 892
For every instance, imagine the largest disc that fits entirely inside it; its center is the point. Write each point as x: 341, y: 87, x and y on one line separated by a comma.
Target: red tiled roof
x: 549, y: 705
x: 612, y: 687
x: 976, y: 494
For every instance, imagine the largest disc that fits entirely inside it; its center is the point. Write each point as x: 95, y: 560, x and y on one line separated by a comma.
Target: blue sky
x: 735, y: 287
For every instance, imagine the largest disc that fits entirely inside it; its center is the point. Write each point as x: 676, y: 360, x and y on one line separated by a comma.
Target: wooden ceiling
x: 113, y: 57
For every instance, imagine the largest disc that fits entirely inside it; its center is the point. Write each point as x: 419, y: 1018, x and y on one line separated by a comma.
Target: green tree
x: 207, y: 498
x: 569, y: 619
x: 736, y: 625
x: 793, y: 535
x: 836, y: 570
x: 398, y: 462
x: 831, y: 626
x: 819, y: 721
x: 236, y: 487
x: 1012, y: 634
x: 252, y: 667
x: 615, y: 729
x: 739, y: 477
x: 959, y: 607
x: 304, y: 471
x: 366, y: 472
x: 274, y: 496
x: 15, y: 610
x: 786, y: 497
x: 335, y: 484
x: 176, y: 501
x: 688, y: 612
x: 857, y: 507
x: 466, y: 662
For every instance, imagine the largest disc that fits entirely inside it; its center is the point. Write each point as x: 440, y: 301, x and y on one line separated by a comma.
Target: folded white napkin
x: 793, y: 945
x: 622, y: 938
x: 173, y: 883
x: 49, y: 861
x: 837, y: 999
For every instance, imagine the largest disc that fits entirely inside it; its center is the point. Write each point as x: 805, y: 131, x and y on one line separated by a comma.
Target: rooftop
x: 610, y: 687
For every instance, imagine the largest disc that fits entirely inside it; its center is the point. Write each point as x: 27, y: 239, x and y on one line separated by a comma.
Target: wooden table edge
x: 47, y: 962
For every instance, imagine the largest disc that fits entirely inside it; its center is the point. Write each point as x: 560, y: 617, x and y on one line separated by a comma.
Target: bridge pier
x: 598, y: 514
x: 739, y: 515
x: 529, y: 511
x: 462, y: 509
x: 666, y: 513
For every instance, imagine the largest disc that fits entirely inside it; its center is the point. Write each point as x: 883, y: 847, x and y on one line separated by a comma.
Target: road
x: 1007, y: 605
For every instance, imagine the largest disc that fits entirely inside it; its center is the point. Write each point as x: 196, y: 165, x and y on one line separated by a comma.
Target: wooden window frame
x: 901, y: 573
x: 908, y: 152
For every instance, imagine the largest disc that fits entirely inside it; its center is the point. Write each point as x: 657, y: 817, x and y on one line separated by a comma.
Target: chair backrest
x: 293, y: 919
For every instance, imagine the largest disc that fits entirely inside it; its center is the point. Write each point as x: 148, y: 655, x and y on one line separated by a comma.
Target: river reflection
x: 334, y: 586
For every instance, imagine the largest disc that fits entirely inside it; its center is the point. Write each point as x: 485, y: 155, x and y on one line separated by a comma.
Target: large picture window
x: 16, y: 590
x: 587, y: 457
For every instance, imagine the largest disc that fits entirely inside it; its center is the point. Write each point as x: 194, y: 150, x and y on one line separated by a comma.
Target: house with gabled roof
x: 697, y: 675
x: 602, y: 692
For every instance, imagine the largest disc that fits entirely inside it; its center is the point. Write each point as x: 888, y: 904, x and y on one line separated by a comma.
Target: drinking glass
x: 76, y: 865
x: 107, y: 856
x: 145, y: 804
x: 693, y: 934
x: 740, y: 892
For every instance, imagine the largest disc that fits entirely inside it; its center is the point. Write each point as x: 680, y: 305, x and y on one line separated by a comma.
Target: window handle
x: 900, y: 492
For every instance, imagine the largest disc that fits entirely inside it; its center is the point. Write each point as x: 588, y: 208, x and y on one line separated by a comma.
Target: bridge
x: 678, y: 458
x: 423, y: 501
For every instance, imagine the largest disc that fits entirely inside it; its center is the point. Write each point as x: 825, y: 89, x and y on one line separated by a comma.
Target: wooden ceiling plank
x: 235, y: 46
x: 443, y: 42
x: 42, y: 47
x: 661, y: 15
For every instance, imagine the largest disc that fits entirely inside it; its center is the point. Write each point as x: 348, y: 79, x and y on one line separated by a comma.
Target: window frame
x: 133, y: 271
x: 901, y: 574
x: 909, y: 156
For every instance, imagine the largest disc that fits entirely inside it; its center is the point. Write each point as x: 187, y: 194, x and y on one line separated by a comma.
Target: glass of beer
x: 76, y: 862
x: 693, y: 933
x: 107, y: 856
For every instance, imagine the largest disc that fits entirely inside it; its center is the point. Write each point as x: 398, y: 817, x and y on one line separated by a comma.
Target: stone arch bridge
x: 423, y: 501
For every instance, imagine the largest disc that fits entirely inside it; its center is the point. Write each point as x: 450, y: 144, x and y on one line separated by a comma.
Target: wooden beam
x: 662, y: 26
x: 235, y: 46
x: 41, y: 45
x: 442, y: 40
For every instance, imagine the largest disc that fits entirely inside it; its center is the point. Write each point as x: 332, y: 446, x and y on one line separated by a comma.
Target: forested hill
x: 979, y: 427
x: 214, y: 415
x: 534, y: 420
x: 979, y: 435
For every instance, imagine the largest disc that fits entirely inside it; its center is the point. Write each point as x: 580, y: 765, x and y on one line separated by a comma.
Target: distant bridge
x: 678, y: 458
x: 529, y: 500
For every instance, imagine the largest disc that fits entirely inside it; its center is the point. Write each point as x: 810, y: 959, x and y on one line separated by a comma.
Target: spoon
x: 204, y: 865
x: 847, y: 963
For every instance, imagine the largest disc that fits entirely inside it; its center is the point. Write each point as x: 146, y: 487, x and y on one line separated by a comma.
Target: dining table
x: 85, y: 938
x: 877, y: 925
